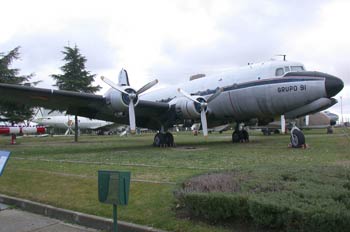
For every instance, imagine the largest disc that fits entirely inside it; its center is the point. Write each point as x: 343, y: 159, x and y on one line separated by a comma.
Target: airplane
x: 3, y: 118
x: 319, y: 120
x: 67, y: 122
x: 197, y: 126
x: 333, y: 117
x: 14, y: 130
x: 257, y: 91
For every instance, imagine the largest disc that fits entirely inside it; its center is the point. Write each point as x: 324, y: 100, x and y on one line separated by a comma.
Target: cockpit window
x: 286, y: 68
x: 297, y: 68
x: 279, y: 72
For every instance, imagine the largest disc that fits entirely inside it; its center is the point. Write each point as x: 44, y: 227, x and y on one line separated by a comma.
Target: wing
x: 148, y: 114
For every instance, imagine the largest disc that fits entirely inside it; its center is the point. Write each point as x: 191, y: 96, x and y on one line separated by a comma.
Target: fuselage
x: 65, y: 121
x: 259, y: 90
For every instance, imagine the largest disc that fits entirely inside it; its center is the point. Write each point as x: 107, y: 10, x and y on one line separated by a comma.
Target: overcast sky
x: 171, y: 40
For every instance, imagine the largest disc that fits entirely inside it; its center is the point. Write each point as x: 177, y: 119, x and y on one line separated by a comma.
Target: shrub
x: 314, y: 199
x: 215, y: 206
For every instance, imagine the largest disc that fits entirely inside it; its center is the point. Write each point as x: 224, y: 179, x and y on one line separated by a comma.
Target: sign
x: 113, y: 187
x: 4, y: 156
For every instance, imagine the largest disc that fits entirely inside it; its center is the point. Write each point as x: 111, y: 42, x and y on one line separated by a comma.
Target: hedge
x: 292, y: 198
x: 218, y: 207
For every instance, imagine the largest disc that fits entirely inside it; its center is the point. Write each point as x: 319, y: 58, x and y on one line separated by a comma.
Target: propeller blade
x: 111, y: 84
x: 147, y: 87
x: 132, y: 121
x: 187, y: 95
x: 215, y: 95
x: 204, y: 123
x: 50, y: 112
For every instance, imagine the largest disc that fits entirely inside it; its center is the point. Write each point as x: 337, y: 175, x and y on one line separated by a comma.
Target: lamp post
x: 341, y: 109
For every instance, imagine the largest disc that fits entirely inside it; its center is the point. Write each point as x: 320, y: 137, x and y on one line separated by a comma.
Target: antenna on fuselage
x: 284, y: 56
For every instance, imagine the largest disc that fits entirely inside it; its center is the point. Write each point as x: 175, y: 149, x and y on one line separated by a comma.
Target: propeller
x: 131, y: 95
x: 203, y: 106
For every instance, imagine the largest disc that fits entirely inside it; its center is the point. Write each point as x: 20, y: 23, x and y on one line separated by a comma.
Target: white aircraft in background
x: 197, y: 126
x: 319, y: 120
x: 67, y: 122
x: 260, y: 91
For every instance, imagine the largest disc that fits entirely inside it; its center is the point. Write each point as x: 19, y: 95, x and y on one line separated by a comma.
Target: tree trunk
x: 76, y: 129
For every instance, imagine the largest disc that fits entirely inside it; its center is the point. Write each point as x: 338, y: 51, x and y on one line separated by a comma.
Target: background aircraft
x: 55, y: 119
x: 195, y: 128
x: 20, y: 130
x: 318, y: 120
x: 257, y: 91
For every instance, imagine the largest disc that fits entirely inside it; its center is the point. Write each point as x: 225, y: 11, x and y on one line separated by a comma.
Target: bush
x: 308, y: 200
x: 215, y: 206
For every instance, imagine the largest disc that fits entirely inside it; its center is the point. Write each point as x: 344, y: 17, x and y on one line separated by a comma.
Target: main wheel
x: 169, y: 139
x: 159, y: 140
x: 297, y: 139
x: 235, y: 137
x: 245, y: 136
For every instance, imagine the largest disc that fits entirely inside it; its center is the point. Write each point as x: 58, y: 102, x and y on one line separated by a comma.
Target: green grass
x: 59, y: 172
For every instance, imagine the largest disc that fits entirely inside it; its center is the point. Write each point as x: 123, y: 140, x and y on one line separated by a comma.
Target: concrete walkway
x: 57, y: 215
x: 20, y: 221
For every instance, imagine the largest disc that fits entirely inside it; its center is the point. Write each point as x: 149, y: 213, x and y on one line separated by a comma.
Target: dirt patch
x: 190, y: 148
x: 215, y: 182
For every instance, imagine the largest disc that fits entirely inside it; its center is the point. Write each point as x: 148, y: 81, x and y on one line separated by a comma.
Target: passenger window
x: 297, y: 68
x: 279, y: 72
x: 286, y: 68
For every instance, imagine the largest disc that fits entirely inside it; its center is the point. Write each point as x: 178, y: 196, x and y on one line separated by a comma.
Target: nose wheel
x: 297, y: 138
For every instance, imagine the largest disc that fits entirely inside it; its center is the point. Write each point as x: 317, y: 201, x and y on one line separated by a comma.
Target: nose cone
x: 333, y: 85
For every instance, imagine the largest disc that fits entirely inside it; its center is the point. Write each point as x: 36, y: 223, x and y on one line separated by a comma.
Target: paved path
x: 20, y: 221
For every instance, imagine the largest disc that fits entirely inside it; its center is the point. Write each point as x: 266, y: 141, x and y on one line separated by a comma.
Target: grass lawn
x: 59, y: 172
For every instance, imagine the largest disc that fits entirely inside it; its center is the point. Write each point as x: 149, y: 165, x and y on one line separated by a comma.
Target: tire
x: 158, y: 140
x: 330, y: 130
x: 169, y: 139
x: 245, y: 136
x: 297, y: 139
x: 235, y: 137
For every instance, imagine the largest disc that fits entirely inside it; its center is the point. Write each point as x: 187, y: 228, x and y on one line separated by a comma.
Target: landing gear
x: 240, y: 135
x: 163, y: 140
x: 330, y: 130
x: 297, y: 138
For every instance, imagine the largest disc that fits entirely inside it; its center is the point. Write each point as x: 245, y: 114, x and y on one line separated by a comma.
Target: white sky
x: 171, y: 40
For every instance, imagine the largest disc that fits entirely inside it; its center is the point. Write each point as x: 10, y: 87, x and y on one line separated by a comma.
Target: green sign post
x: 113, y: 188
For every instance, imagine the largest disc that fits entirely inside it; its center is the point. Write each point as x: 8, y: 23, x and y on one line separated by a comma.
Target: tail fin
x: 39, y: 113
x: 123, y: 79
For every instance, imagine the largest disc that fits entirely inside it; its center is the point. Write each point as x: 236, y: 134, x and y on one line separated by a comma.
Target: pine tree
x: 75, y: 77
x: 14, y: 112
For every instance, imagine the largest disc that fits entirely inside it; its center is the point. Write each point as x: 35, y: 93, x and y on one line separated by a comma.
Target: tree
x: 14, y: 113
x: 75, y: 77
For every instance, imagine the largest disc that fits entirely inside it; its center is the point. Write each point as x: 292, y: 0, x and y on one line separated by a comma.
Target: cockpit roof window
x: 279, y: 72
x: 297, y: 68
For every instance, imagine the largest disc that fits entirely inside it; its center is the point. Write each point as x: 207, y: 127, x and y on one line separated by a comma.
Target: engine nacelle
x: 119, y: 101
x: 187, y: 109
x: 313, y: 107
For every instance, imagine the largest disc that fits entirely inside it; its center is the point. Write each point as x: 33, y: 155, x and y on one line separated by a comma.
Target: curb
x: 74, y: 217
